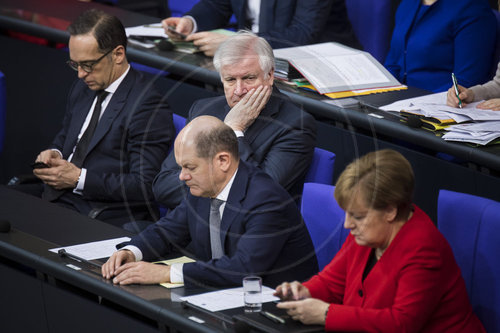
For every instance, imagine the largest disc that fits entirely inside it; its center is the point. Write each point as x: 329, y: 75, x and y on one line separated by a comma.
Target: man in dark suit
x: 110, y: 147
x: 257, y: 229
x: 283, y: 23
x: 273, y: 133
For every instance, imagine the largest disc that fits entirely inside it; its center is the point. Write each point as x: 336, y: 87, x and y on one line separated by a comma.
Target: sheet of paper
x: 152, y: 30
x: 94, y: 250
x: 179, y: 260
x: 226, y: 299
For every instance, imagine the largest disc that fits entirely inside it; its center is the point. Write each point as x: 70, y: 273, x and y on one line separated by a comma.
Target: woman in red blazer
x: 395, y: 271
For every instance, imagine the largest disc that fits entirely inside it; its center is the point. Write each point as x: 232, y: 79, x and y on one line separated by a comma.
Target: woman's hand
x: 292, y: 291
x: 309, y: 311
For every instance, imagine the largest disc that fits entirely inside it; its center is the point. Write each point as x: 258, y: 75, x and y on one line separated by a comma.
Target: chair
x: 324, y: 220
x: 321, y: 168
x: 179, y: 123
x: 372, y: 21
x: 3, y: 109
x: 471, y: 225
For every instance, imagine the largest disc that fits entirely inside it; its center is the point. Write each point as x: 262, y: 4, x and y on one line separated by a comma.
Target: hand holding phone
x: 177, y: 34
x: 39, y: 165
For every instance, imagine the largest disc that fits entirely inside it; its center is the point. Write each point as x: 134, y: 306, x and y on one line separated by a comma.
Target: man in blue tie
x: 235, y: 221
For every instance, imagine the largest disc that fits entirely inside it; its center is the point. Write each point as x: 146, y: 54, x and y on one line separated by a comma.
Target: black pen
x: 63, y: 253
x: 272, y: 317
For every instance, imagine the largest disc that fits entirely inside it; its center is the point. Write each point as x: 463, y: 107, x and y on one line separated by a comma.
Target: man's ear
x: 223, y: 161
x: 119, y: 54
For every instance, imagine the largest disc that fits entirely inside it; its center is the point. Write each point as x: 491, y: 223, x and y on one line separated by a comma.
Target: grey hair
x: 243, y: 43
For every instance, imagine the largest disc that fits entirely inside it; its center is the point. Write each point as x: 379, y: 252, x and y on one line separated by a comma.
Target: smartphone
x: 39, y: 165
x: 172, y: 30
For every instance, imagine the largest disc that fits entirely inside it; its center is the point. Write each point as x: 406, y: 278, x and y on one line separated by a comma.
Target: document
x: 179, y: 260
x: 226, y: 298
x: 333, y: 67
x: 94, y: 250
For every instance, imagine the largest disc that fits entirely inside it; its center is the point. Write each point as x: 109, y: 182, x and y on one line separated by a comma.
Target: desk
x: 347, y: 131
x: 41, y: 294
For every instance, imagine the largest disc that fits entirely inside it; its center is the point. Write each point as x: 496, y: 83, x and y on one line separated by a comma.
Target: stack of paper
x: 333, y: 68
x: 483, y: 126
x: 480, y: 133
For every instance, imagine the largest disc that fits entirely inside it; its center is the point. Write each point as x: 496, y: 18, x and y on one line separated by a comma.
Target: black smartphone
x: 39, y: 165
x: 174, y: 32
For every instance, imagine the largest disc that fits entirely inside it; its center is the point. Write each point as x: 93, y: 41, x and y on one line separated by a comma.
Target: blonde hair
x: 383, y: 178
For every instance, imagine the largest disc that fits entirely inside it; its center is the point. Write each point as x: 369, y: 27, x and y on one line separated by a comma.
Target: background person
x: 395, y: 271
x: 260, y: 229
x: 283, y: 23
x: 434, y: 38
x: 490, y: 92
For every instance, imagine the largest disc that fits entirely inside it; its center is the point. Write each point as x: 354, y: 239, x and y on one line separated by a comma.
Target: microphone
x: 165, y: 45
x: 4, y: 226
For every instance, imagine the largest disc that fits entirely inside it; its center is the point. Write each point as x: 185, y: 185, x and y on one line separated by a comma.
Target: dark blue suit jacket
x: 280, y: 142
x: 283, y: 23
x: 262, y: 233
x: 131, y: 140
x: 452, y: 36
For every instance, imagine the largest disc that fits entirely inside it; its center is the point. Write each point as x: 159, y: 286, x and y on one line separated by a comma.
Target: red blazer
x: 416, y: 286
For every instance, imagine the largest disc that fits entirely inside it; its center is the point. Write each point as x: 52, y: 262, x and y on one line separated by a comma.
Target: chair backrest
x: 321, y: 168
x: 471, y: 225
x: 3, y: 108
x: 372, y: 21
x: 179, y: 123
x: 496, y: 56
x: 324, y: 220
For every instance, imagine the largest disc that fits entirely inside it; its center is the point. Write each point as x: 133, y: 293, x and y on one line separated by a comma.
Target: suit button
x: 360, y: 293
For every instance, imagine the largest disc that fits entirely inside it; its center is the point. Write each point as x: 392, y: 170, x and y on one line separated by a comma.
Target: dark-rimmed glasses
x: 86, y: 66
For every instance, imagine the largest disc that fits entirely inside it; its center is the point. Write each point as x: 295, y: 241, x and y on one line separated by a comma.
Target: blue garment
x: 450, y: 36
x: 283, y: 23
x: 261, y: 233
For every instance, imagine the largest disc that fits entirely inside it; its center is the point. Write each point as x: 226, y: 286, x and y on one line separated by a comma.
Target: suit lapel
x: 79, y: 114
x: 113, y: 109
x: 233, y: 205
x: 201, y: 214
x: 410, y: 19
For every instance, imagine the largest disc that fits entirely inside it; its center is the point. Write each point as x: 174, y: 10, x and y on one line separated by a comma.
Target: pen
x: 63, y: 253
x: 455, y: 86
x: 272, y: 317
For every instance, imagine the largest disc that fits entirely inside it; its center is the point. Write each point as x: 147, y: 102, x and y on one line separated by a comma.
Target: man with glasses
x: 116, y: 131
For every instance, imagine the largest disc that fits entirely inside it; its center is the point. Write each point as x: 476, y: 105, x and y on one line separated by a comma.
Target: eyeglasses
x: 87, y: 66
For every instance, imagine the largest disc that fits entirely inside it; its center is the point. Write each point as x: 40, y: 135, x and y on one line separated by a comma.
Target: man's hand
x: 181, y: 24
x: 244, y: 113
x: 47, y: 155
x: 491, y: 104
x: 61, y: 174
x: 309, y: 311
x: 207, y: 41
x: 292, y: 291
x: 116, y: 260
x: 141, y: 272
x: 466, y: 96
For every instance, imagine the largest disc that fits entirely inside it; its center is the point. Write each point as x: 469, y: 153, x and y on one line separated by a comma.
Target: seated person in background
x: 433, y: 38
x: 116, y: 130
x: 283, y: 23
x: 236, y: 221
x: 395, y: 271
x: 490, y: 92
x: 273, y: 133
